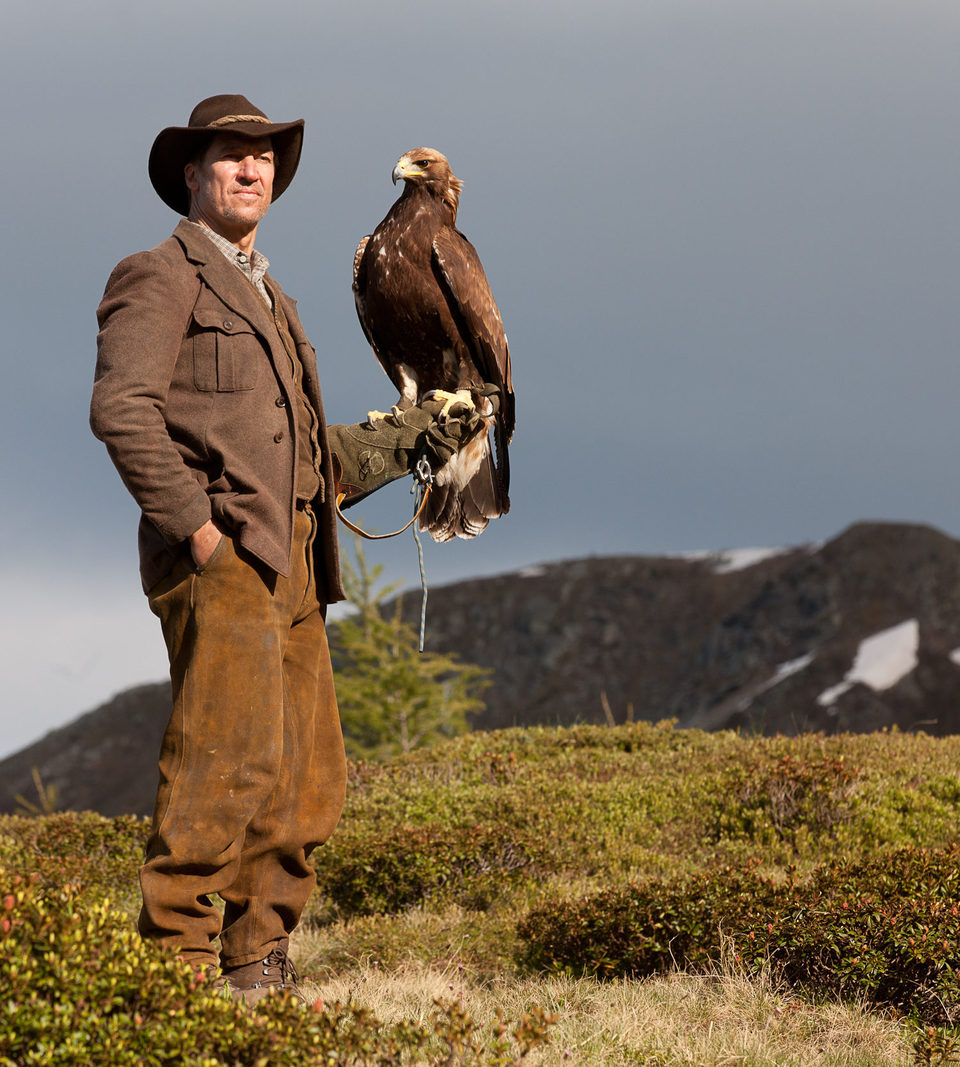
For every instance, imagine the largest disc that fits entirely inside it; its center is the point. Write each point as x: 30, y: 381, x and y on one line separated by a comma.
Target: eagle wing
x: 359, y: 290
x: 464, y: 282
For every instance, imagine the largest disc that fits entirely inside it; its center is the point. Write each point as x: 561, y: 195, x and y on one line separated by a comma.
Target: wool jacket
x: 195, y: 399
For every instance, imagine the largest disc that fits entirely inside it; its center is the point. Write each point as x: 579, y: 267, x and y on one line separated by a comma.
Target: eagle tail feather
x: 465, y: 512
x: 502, y: 472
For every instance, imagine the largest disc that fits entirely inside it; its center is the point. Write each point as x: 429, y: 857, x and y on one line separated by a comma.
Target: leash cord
x: 422, y: 482
x: 423, y: 582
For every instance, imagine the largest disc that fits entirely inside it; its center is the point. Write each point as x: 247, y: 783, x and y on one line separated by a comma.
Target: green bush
x: 536, y: 804
x: 885, y: 931
x: 76, y: 847
x: 787, y: 799
x: 642, y: 800
x: 646, y: 927
x: 79, y: 986
x: 411, y: 866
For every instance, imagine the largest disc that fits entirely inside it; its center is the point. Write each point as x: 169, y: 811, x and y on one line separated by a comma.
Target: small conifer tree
x: 393, y: 698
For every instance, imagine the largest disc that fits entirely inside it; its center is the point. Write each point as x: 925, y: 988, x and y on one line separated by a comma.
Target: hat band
x: 229, y: 120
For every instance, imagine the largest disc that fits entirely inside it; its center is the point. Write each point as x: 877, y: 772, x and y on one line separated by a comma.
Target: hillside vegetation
x: 556, y: 874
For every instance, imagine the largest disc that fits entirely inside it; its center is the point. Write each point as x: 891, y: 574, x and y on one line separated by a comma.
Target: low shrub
x: 788, y: 799
x: 81, y: 847
x: 885, y: 931
x: 452, y: 843
x: 81, y: 987
x: 644, y: 800
x: 933, y: 1048
x: 410, y: 866
x: 646, y: 927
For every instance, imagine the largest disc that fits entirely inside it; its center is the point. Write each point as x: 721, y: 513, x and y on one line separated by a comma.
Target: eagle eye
x: 423, y: 163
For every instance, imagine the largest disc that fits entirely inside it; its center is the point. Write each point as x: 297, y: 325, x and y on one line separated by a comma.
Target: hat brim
x: 176, y: 146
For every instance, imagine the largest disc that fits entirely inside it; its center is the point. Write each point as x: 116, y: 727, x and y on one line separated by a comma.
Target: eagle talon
x: 451, y: 400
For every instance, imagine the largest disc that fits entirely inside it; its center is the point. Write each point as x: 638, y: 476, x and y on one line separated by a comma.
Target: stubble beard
x: 244, y: 216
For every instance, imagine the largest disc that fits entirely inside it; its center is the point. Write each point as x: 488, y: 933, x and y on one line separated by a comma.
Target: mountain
x: 857, y: 634
x: 103, y: 761
x: 755, y: 640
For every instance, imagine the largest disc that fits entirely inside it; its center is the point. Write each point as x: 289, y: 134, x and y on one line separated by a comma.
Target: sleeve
x: 143, y: 318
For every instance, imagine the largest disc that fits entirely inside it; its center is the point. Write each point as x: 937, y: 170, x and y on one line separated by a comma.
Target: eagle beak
x: 405, y: 169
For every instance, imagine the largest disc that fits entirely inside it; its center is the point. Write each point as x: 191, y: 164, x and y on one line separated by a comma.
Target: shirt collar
x: 253, y: 266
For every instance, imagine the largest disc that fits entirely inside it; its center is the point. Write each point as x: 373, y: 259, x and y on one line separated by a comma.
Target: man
x: 207, y: 398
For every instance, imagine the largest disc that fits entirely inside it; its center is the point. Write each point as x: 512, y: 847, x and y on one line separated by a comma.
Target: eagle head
x: 428, y: 169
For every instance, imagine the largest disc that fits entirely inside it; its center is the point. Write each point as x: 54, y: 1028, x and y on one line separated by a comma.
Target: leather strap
x: 381, y: 537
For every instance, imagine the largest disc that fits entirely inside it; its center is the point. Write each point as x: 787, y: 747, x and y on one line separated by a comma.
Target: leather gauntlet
x: 368, y: 455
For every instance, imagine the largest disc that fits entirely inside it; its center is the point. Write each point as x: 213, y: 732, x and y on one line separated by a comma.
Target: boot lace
x: 277, y: 961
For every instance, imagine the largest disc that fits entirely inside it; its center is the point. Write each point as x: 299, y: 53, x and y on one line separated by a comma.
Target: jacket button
x: 280, y: 402
x: 228, y: 324
x: 278, y: 436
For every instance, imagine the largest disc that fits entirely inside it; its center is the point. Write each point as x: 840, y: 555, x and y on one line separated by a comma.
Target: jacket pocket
x: 226, y: 351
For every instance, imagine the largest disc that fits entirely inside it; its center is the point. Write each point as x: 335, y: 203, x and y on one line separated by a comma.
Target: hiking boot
x: 253, y: 981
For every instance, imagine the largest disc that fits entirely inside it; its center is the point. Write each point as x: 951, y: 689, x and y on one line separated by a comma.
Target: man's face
x: 231, y: 184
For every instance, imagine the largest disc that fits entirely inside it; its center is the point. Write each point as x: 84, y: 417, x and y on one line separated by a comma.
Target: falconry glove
x: 369, y: 455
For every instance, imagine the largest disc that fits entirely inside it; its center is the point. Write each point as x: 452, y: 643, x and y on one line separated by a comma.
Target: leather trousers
x: 252, y: 767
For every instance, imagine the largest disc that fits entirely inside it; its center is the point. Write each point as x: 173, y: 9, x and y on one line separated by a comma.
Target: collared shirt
x: 253, y: 267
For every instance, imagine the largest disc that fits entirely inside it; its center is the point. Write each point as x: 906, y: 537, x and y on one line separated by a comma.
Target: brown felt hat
x: 176, y: 146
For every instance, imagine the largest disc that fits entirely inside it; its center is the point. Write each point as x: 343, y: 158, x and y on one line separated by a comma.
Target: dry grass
x: 722, y: 1019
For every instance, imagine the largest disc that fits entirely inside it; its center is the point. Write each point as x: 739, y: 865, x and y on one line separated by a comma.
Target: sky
x: 723, y: 236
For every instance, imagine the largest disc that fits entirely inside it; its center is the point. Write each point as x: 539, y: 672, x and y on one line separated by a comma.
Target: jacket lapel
x: 233, y: 289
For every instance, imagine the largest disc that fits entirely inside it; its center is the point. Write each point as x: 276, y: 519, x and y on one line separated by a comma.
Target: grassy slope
x: 540, y: 814
x: 591, y: 807
x: 439, y: 854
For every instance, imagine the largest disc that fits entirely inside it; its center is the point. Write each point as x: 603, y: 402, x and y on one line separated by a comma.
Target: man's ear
x: 190, y: 177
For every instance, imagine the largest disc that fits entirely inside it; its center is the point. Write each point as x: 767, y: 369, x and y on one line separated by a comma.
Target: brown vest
x: 309, y: 481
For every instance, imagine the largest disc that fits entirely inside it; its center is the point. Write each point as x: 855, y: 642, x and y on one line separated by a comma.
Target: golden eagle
x: 426, y: 308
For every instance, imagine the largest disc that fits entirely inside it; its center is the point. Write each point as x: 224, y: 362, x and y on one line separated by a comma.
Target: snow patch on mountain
x: 881, y: 661
x: 733, y: 559
x: 793, y: 666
